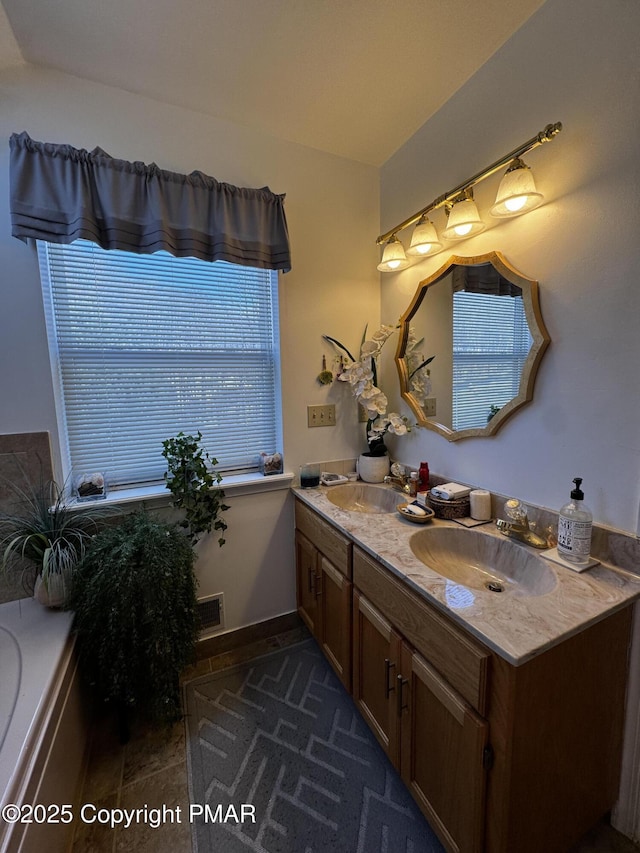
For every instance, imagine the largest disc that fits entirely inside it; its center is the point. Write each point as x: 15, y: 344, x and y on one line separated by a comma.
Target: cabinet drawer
x: 335, y: 546
x: 462, y: 662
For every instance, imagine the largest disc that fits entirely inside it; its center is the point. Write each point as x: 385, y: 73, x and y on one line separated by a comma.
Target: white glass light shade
x: 393, y: 256
x: 424, y: 240
x: 517, y: 192
x: 464, y: 221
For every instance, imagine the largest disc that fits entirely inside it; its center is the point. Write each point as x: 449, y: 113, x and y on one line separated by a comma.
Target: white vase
x: 53, y: 591
x: 373, y: 469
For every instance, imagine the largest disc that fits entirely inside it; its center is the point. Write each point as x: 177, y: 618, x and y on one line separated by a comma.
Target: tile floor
x: 151, y: 770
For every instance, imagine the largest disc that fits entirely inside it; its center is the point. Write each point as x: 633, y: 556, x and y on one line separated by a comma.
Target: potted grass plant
x: 45, y: 537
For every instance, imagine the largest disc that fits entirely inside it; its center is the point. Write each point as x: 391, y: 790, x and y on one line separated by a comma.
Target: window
x: 487, y: 364
x: 144, y: 346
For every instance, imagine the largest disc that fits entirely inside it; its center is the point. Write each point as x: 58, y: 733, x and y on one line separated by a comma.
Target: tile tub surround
x: 516, y: 627
x: 29, y: 454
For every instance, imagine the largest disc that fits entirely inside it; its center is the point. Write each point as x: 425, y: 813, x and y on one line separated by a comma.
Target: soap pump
x: 574, y: 528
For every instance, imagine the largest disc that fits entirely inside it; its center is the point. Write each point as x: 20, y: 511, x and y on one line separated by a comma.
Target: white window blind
x: 144, y: 346
x: 491, y: 341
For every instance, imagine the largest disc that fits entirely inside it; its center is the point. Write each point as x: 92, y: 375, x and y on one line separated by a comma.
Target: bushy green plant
x: 135, y: 614
x: 192, y: 481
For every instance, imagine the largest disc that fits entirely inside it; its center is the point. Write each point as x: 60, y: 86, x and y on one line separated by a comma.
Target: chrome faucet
x: 518, y: 526
x: 398, y: 478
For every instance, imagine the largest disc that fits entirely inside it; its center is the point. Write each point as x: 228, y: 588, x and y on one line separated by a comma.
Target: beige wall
x: 333, y: 215
x: 578, y: 66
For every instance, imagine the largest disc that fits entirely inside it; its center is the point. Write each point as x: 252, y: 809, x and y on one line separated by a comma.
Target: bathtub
x: 43, y: 723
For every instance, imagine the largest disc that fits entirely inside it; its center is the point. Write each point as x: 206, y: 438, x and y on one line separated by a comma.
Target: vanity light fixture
x: 393, y: 256
x: 464, y: 219
x: 517, y: 191
x: 517, y: 194
x: 424, y: 240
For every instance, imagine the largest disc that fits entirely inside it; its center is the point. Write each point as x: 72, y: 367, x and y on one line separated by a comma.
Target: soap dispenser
x: 574, y: 528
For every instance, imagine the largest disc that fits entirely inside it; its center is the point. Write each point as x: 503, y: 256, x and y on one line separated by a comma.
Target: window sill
x: 234, y: 486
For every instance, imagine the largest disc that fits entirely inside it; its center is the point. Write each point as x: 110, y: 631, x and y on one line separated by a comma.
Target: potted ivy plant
x: 193, y: 481
x: 45, y: 537
x: 136, y: 616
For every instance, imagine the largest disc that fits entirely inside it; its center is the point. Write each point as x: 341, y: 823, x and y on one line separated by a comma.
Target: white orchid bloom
x: 383, y: 333
x: 370, y: 349
x: 397, y: 424
x: 373, y: 400
x: 359, y: 374
x: 356, y: 373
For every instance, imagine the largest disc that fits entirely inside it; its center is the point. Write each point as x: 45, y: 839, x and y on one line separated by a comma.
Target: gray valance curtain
x: 61, y: 194
x: 483, y: 278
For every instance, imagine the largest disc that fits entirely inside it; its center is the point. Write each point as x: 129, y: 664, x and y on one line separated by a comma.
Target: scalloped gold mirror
x: 481, y: 320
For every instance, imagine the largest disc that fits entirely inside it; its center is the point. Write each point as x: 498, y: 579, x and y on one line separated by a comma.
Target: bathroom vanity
x: 503, y: 713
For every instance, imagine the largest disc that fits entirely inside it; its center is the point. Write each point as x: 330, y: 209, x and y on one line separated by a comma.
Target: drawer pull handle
x: 401, y: 683
x: 388, y: 688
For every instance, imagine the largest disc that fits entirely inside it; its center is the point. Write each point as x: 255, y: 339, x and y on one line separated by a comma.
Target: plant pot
x: 373, y: 469
x: 53, y: 592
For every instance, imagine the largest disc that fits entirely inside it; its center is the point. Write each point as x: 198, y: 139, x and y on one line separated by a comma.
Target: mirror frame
x: 537, y: 328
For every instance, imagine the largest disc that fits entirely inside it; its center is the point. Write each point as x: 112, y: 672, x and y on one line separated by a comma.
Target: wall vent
x: 211, y: 614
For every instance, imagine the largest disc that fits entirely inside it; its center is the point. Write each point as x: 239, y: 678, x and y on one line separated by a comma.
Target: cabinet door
x: 335, y: 619
x: 443, y: 753
x: 307, y: 582
x: 376, y: 665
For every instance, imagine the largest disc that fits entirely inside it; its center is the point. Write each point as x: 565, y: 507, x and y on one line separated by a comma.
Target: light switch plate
x: 318, y: 416
x: 429, y: 407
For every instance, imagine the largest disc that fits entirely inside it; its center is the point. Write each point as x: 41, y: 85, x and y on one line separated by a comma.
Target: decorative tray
x: 417, y: 519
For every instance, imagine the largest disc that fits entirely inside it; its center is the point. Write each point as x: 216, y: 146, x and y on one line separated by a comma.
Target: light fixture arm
x: 545, y: 135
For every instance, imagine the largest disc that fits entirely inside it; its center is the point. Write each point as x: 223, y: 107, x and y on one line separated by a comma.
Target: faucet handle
x: 515, y: 510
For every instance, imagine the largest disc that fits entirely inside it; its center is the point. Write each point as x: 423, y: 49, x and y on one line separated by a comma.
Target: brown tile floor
x: 151, y: 770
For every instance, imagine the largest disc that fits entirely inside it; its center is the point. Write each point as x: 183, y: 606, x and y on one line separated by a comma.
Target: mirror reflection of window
x: 491, y: 342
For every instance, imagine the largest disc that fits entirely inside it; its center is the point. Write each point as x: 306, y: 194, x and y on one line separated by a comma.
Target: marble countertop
x: 516, y: 626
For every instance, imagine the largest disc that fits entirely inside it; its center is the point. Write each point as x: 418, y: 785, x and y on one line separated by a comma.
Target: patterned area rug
x: 279, y: 740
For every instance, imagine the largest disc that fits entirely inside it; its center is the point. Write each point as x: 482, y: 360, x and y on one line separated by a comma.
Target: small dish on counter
x: 418, y: 519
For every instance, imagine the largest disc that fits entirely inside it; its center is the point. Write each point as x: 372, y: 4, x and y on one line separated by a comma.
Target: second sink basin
x: 482, y: 561
x: 361, y: 497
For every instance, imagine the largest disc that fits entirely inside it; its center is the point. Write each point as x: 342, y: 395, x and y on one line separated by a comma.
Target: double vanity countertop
x: 514, y: 623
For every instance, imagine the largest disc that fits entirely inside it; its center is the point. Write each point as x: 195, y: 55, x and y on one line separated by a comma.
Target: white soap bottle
x: 574, y: 528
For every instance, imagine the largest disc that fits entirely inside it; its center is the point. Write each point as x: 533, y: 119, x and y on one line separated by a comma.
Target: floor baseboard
x: 230, y: 640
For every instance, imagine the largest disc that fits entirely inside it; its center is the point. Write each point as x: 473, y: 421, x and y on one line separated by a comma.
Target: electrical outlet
x: 429, y: 407
x: 318, y: 416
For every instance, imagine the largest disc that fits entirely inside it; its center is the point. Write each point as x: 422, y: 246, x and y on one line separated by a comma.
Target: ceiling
x: 352, y: 77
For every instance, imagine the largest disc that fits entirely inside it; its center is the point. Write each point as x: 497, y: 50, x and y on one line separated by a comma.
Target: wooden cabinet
x: 435, y: 738
x: 444, y: 753
x: 334, y: 633
x: 376, y: 664
x: 500, y: 758
x: 323, y: 588
x: 307, y: 581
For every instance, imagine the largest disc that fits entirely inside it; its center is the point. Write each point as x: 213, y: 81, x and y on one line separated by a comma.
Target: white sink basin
x: 481, y: 561
x: 361, y: 497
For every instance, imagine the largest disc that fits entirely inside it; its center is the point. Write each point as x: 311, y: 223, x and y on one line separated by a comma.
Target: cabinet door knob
x: 388, y: 688
x: 401, y: 683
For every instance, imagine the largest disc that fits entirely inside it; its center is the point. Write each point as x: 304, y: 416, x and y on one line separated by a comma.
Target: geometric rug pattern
x: 279, y: 741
